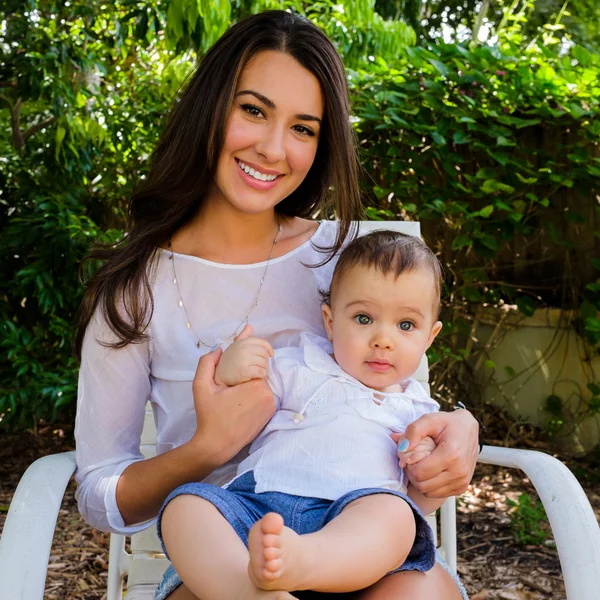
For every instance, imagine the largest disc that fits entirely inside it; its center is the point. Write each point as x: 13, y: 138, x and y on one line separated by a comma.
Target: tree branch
x: 15, y: 122
x: 37, y: 127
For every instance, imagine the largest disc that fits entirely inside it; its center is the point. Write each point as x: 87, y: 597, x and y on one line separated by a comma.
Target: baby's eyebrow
x: 412, y: 309
x: 358, y: 302
x: 268, y: 102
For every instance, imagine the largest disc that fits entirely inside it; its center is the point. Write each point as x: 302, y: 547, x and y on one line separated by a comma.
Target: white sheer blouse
x: 115, y: 384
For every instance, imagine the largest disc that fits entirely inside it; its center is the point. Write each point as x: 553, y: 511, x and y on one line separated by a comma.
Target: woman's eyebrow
x: 271, y: 104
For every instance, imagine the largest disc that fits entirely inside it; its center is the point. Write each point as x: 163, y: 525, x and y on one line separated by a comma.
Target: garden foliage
x: 494, y: 148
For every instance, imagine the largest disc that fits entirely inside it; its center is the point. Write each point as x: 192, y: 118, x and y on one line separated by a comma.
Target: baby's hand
x: 422, y: 450
x: 247, y: 358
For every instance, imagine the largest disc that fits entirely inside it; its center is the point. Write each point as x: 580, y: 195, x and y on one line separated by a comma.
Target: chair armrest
x: 571, y: 517
x: 29, y: 528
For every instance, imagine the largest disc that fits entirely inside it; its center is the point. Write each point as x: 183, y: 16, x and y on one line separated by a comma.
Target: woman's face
x: 272, y: 133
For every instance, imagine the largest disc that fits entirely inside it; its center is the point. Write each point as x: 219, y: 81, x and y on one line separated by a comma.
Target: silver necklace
x: 252, y: 306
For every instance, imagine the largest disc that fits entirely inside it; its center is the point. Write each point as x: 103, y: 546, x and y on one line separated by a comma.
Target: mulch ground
x: 492, y: 564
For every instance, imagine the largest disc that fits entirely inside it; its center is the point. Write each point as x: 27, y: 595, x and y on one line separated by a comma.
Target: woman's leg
x: 182, y: 593
x: 436, y: 583
x: 370, y: 537
x: 208, y: 554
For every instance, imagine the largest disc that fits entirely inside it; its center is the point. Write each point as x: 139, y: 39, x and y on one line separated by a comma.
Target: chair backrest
x: 146, y: 563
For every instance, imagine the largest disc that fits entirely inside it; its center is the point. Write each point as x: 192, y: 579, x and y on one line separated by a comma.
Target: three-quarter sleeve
x: 114, y: 386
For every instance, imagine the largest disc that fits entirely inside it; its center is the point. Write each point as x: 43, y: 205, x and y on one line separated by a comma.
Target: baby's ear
x: 437, y: 327
x: 327, y: 320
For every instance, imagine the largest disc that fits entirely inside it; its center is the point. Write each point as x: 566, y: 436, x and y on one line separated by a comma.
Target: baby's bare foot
x: 279, y: 559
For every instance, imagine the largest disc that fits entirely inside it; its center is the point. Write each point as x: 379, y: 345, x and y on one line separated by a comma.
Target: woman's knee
x: 182, y: 593
x: 436, y: 583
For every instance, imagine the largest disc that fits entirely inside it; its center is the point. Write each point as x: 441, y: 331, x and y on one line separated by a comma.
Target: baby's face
x: 381, y: 325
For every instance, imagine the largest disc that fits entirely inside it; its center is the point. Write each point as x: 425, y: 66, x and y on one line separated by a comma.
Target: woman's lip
x: 379, y: 367
x: 257, y: 184
x: 258, y: 168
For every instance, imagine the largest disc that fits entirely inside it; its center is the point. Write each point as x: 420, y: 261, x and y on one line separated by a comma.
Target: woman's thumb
x: 425, y: 425
x: 245, y: 333
x: 205, y: 371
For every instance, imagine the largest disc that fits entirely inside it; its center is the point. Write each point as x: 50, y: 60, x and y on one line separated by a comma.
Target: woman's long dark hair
x: 184, y: 163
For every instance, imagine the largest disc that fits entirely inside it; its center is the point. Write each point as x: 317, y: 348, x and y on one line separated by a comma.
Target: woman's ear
x: 327, y: 320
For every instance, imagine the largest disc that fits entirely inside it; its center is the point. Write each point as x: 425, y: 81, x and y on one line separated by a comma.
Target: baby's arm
x: 423, y: 449
x: 245, y: 359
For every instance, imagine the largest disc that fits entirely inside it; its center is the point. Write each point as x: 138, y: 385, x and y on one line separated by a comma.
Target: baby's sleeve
x: 275, y: 379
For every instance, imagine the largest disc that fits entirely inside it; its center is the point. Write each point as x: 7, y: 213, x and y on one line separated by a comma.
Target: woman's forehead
x: 282, y: 80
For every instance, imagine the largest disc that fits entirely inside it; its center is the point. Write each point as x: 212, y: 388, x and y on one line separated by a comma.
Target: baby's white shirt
x: 330, y: 434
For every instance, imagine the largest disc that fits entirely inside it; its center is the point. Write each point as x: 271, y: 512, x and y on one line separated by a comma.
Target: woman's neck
x: 222, y: 234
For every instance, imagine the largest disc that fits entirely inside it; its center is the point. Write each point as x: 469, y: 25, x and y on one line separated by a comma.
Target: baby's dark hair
x: 389, y: 252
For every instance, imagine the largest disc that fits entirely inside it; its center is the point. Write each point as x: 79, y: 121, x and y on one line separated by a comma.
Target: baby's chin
x: 393, y: 388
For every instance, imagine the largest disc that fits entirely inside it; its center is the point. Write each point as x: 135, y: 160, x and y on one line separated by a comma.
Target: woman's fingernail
x: 403, y: 447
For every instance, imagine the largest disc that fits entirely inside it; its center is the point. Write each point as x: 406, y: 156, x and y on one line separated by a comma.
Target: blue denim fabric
x: 242, y: 507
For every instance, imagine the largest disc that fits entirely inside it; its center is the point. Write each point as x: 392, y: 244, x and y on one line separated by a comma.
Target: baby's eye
x: 405, y: 325
x: 363, y: 319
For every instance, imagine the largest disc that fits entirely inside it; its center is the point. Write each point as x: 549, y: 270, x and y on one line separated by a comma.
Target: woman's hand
x: 448, y: 470
x: 228, y: 418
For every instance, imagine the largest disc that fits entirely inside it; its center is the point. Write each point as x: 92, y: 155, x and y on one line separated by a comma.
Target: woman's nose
x: 271, y: 145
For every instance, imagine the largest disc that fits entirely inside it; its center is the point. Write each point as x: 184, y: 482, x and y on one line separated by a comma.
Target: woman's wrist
x: 482, y: 428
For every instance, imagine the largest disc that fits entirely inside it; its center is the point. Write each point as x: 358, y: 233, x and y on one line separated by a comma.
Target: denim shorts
x: 242, y: 507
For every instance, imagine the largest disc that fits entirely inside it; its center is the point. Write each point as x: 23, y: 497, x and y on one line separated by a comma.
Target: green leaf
x: 438, y: 139
x: 460, y: 137
x: 554, y: 404
x: 526, y: 305
x: 545, y: 73
x: 502, y: 141
x: 490, y: 186
x: 588, y: 310
x: 526, y: 180
x: 592, y: 325
x: 440, y: 66
x: 461, y: 241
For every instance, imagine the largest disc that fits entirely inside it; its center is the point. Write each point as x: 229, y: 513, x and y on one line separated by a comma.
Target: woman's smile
x: 259, y: 178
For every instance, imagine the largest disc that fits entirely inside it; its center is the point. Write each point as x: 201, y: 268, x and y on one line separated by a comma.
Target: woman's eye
x: 363, y: 319
x: 302, y: 130
x: 405, y: 325
x: 252, y: 110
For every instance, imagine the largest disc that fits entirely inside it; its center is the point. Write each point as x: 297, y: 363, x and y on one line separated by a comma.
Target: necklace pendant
x: 298, y: 418
x: 198, y: 344
x: 188, y: 325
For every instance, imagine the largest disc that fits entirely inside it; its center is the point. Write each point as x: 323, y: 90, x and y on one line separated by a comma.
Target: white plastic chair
x: 27, y: 537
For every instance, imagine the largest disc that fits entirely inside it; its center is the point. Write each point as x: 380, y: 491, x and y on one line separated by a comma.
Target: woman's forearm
x: 426, y: 505
x: 144, y: 485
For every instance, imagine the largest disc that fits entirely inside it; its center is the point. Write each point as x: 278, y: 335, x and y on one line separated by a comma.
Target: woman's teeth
x: 256, y: 174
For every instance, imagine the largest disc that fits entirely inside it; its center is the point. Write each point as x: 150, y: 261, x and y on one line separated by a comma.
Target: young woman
x: 221, y: 233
